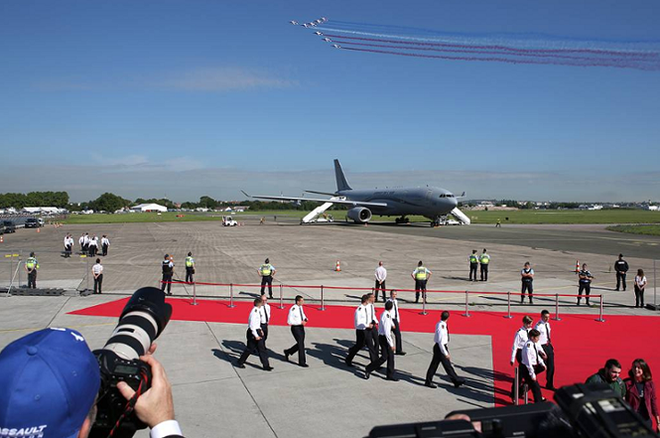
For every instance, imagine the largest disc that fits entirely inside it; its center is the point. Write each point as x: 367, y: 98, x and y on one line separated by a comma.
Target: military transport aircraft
x: 431, y: 202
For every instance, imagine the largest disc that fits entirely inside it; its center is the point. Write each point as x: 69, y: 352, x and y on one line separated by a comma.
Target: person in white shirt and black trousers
x: 255, y: 338
x: 396, y: 318
x: 545, y: 340
x: 533, y: 364
x: 297, y: 320
x: 372, y: 338
x: 97, y: 272
x: 362, y: 330
x: 518, y: 343
x: 386, y: 345
x: 265, y: 316
x: 380, y: 276
x: 441, y: 354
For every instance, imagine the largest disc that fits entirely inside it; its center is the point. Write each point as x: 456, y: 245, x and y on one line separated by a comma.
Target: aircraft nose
x: 454, y: 201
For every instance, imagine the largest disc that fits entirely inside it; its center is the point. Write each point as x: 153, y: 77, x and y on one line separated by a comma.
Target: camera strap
x: 130, y: 404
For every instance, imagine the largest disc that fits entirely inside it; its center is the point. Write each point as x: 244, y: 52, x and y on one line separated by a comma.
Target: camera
x: 143, y: 319
x: 582, y: 411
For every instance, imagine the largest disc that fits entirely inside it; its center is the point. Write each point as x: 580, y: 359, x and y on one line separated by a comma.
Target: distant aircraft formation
x: 311, y: 23
x: 502, y: 48
x: 433, y: 203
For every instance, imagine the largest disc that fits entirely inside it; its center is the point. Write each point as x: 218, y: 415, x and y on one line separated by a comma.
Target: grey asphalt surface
x: 213, y: 398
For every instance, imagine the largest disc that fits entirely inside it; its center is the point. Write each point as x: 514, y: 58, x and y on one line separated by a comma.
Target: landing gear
x: 402, y: 220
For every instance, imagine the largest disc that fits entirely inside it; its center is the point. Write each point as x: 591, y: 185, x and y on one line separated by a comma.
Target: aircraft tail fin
x: 342, y: 184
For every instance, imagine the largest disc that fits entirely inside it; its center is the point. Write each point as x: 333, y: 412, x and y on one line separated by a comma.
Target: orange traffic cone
x: 38, y: 230
x: 338, y: 267
x: 577, y: 266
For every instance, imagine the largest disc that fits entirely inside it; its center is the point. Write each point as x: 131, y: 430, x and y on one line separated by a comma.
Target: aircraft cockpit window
x: 449, y: 195
x: 442, y: 195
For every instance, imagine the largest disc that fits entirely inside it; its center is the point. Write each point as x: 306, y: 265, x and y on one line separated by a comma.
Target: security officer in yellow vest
x: 267, y: 272
x: 483, y: 261
x: 31, y: 266
x: 474, y: 263
x: 421, y: 276
x: 190, y: 268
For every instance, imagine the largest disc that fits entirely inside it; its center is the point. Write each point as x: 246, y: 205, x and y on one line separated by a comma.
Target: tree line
x: 110, y: 202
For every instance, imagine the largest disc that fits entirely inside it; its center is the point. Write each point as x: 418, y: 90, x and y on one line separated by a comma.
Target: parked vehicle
x: 9, y: 226
x: 31, y: 223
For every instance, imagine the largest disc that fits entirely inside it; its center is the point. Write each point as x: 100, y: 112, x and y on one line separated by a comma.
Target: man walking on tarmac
x: 421, y: 276
x: 621, y: 267
x: 168, y: 273
x: 190, y: 268
x: 484, y: 260
x: 31, y: 266
x: 474, y: 263
x: 267, y: 272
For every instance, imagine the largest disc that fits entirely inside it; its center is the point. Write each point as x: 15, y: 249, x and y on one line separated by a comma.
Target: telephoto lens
x: 143, y: 319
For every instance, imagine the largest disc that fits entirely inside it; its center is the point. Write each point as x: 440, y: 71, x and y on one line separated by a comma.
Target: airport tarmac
x: 213, y: 398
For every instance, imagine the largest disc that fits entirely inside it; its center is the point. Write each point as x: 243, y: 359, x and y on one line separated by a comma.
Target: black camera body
x: 143, y: 319
x: 111, y: 404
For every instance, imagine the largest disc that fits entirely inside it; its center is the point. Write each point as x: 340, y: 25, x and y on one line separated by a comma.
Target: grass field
x: 649, y: 230
x: 477, y: 217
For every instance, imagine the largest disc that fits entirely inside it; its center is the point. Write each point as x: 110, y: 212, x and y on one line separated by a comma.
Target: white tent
x: 149, y: 207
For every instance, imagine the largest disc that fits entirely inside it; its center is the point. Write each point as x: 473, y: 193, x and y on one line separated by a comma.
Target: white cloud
x: 223, y: 79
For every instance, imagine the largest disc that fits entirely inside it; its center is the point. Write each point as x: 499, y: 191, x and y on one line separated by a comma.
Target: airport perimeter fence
x: 321, y: 291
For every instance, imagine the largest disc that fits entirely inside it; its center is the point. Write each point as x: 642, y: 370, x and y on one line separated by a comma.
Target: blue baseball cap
x: 48, y: 384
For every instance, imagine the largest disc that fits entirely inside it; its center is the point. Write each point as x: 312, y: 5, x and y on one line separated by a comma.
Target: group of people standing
x: 621, y: 268
x: 89, y: 245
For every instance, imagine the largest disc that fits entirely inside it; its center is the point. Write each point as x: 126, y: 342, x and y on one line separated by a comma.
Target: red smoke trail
x: 504, y: 48
x: 480, y: 52
x: 504, y: 60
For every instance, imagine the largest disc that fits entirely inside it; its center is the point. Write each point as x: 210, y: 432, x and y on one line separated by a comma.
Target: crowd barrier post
x: 526, y: 396
x: 600, y: 316
x: 231, y: 296
x: 423, y: 303
x: 556, y: 318
x: 194, y: 303
x: 508, y: 305
x: 655, y: 305
x: 467, y: 310
x: 516, y: 385
x: 11, y: 266
x: 20, y: 260
x: 281, y: 304
x: 322, y: 299
x: 87, y: 271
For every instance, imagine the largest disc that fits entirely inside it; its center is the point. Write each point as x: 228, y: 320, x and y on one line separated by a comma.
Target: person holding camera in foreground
x: 53, y: 386
x: 49, y: 387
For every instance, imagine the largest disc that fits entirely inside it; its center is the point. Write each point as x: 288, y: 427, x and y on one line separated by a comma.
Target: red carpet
x: 582, y: 345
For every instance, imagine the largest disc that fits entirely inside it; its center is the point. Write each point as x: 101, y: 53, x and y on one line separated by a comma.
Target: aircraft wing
x: 334, y: 200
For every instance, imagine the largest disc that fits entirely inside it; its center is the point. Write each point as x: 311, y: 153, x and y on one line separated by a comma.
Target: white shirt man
x: 545, y: 341
x: 441, y: 354
x: 297, y: 320
x: 396, y: 317
x: 255, y: 340
x: 97, y: 272
x: 265, y: 316
x: 380, y: 276
x: 386, y: 342
x: 532, y: 364
x: 361, y: 323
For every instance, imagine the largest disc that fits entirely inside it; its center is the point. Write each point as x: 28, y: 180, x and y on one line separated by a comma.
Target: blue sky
x: 191, y: 98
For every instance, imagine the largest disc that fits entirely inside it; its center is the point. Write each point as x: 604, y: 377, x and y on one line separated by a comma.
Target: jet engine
x: 360, y: 215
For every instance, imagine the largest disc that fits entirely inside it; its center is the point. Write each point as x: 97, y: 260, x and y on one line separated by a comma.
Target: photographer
x: 50, y: 382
